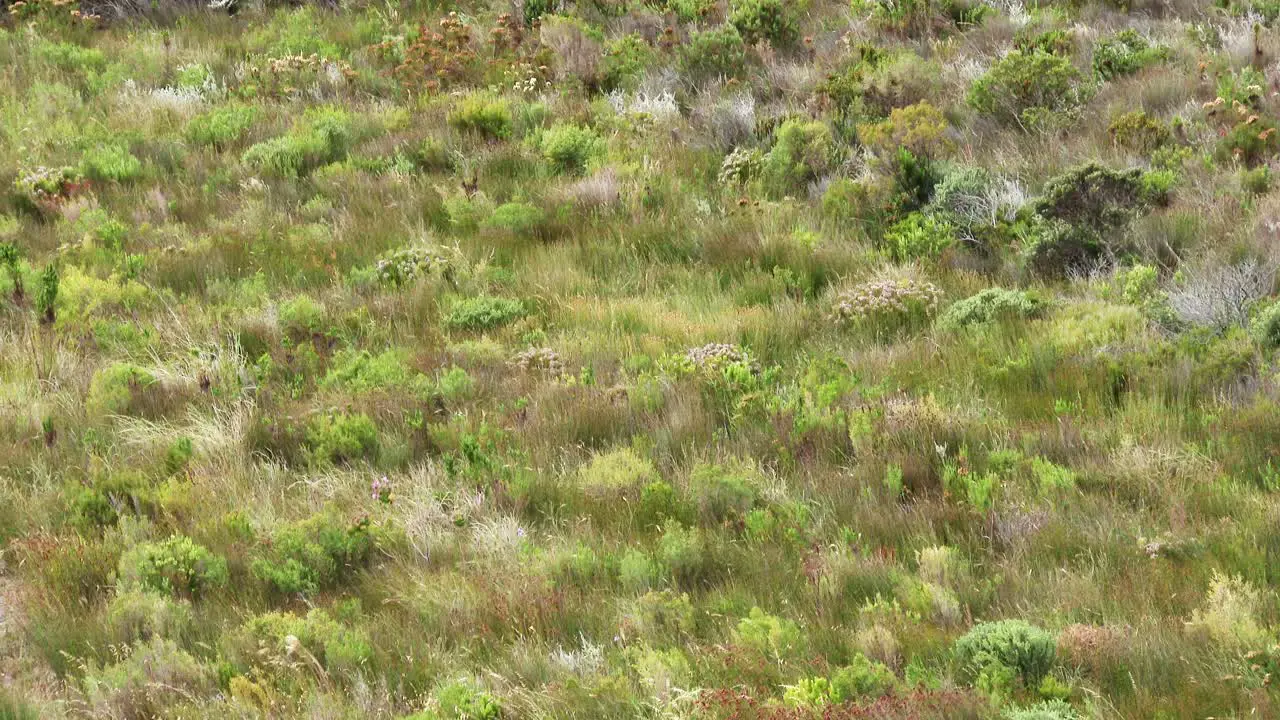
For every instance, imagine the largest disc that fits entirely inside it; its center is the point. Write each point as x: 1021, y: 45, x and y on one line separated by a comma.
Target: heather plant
x: 569, y: 148
x: 770, y: 20
x: 717, y: 52
x: 919, y: 237
x: 1138, y: 132
x: 486, y: 116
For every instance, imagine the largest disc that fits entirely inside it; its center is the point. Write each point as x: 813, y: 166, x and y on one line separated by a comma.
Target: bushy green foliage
x: 322, y: 136
x: 175, y: 566
x: 519, y: 219
x: 336, y: 647
x: 990, y: 305
x: 222, y: 126
x: 769, y: 635
x: 110, y: 163
x: 119, y: 389
x: 489, y: 117
x: 1044, y: 710
x: 620, y: 472
x: 1022, y: 82
x: 312, y: 554
x: 919, y: 237
x: 341, y: 437
x: 718, y: 52
x: 802, y: 153
x: 1266, y: 327
x: 1015, y: 644
x: 463, y: 700
x: 1125, y: 53
x: 483, y: 312
x: 1139, y: 132
x: 770, y: 20
x: 569, y: 148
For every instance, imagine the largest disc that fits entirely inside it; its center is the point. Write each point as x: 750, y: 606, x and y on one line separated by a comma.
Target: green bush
x: 176, y: 566
x: 110, y: 163
x: 714, y: 53
x: 222, y: 126
x: 341, y: 437
x: 101, y: 503
x: 519, y: 219
x: 990, y: 305
x: 625, y: 61
x: 463, y: 700
x: 313, y: 554
x: 769, y: 635
x: 570, y: 147
x: 771, y: 20
x: 1265, y: 327
x: 1014, y: 644
x: 804, y: 151
x: 301, y: 316
x: 335, y: 646
x: 1125, y: 53
x: 120, y: 389
x: 919, y: 237
x: 1249, y: 142
x: 1138, y: 132
x: 617, y: 473
x: 1021, y: 82
x: 483, y: 312
x: 862, y: 677
x: 322, y: 136
x: 484, y: 115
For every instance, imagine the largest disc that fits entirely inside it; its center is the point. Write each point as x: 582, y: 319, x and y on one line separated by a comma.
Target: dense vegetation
x: 639, y: 359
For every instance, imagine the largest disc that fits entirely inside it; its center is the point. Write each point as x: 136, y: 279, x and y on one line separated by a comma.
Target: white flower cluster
x: 887, y: 297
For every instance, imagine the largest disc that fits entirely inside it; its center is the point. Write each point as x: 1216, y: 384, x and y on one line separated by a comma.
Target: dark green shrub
x: 990, y: 305
x: 862, y: 677
x: 771, y: 20
x: 1250, y: 141
x: 341, y: 437
x: 483, y: 312
x: 47, y: 294
x: 1021, y: 82
x: 486, y: 116
x: 1125, y: 53
x: 176, y: 566
x: 1093, y: 196
x: 313, y: 554
x: 1015, y: 644
x: 119, y: 389
x: 1054, y: 42
x: 714, y: 53
x: 101, y: 503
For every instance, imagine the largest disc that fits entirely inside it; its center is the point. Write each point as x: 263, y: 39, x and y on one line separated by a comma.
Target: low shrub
x: 1022, y: 82
x: 283, y: 634
x: 617, y: 473
x: 718, y: 52
x: 1125, y: 53
x: 341, y: 437
x: 771, y: 20
x: 313, y: 554
x: 803, y: 152
x: 176, y: 566
x: 919, y: 237
x: 221, y: 127
x: 888, y: 304
x: 1265, y: 327
x: 484, y: 115
x: 483, y: 312
x: 1015, y: 644
x: 569, y: 148
x: 990, y: 305
x: 110, y: 163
